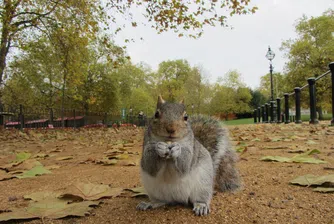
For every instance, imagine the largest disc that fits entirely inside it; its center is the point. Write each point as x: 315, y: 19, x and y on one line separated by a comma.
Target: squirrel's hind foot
x: 143, y: 206
x: 201, y: 209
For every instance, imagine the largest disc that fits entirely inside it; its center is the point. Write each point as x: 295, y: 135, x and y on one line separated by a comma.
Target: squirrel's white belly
x: 167, y: 186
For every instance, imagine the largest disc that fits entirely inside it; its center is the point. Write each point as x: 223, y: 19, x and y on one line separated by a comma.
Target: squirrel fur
x: 182, y: 160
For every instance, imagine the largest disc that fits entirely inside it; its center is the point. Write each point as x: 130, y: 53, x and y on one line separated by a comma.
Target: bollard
x: 74, y: 120
x: 331, y: 67
x: 278, y: 112
x: 21, y: 117
x: 1, y: 116
x: 286, y: 108
x: 267, y: 112
x: 313, y: 112
x: 263, y: 114
x: 259, y: 114
x: 272, y: 111
x: 51, y: 117
x: 255, y: 116
x: 297, y: 99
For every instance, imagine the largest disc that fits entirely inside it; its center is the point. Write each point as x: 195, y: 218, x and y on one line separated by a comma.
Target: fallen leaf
x: 20, y: 157
x: 40, y: 155
x: 256, y: 140
x: 276, y: 159
x: 25, y: 165
x: 310, y: 142
x: 40, y: 196
x: 324, y: 189
x: 128, y: 145
x: 49, y: 208
x: 36, y: 171
x: 121, y: 156
x: 297, y: 151
x: 312, y: 180
x: 52, y: 167
x: 138, y: 191
x: 4, y: 175
x: 90, y: 191
x: 276, y: 139
x: 296, y: 159
x: 64, y: 158
x: 276, y: 147
x: 107, y: 161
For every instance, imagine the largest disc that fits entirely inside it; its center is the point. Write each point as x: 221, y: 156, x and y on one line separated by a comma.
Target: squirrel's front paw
x: 201, y: 209
x: 175, y: 150
x: 162, y: 149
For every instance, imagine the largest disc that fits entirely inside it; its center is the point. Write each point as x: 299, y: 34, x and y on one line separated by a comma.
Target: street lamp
x: 270, y: 56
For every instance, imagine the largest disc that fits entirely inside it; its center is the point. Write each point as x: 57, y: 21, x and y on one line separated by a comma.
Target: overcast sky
x: 222, y: 49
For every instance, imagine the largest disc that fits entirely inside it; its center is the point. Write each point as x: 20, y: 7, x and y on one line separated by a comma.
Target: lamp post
x: 270, y: 56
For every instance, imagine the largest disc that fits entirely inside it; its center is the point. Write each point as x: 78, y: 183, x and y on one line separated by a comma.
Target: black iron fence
x: 19, y: 117
x: 271, y: 112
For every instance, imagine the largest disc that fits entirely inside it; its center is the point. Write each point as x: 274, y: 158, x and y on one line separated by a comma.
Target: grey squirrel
x: 183, y: 159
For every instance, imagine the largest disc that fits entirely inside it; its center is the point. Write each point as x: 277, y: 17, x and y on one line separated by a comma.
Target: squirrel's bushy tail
x: 215, y: 138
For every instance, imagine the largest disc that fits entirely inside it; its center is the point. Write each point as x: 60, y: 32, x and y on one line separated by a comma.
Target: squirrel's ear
x: 182, y: 101
x: 160, y: 101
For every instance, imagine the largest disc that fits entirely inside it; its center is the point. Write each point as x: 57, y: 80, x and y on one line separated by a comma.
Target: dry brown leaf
x: 90, y: 191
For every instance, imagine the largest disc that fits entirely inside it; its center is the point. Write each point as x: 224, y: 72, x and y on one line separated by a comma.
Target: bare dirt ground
x: 267, y: 196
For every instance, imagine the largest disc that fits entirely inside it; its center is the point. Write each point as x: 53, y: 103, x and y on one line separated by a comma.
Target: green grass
x: 305, y: 118
x: 239, y: 121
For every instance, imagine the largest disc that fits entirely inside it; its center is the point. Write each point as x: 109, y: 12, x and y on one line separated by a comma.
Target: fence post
x: 267, y: 112
x: 279, y: 117
x: 1, y: 116
x: 74, y: 120
x: 272, y: 112
x: 51, y: 117
x: 105, y: 120
x: 263, y: 112
x: 313, y: 113
x: 21, y: 117
x: 286, y: 108
x: 297, y: 98
x: 255, y: 116
x: 259, y: 114
x: 331, y: 67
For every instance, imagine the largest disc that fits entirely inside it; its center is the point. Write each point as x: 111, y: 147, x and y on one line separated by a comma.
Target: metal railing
x: 261, y: 114
x: 20, y: 117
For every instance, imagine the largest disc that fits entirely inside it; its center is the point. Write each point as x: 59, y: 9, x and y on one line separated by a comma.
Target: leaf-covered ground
x: 85, y: 173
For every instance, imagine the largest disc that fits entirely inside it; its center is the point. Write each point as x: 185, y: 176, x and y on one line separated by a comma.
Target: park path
x: 266, y: 197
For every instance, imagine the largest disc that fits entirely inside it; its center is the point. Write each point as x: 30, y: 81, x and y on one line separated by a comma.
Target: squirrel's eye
x: 156, y: 115
x: 185, y: 117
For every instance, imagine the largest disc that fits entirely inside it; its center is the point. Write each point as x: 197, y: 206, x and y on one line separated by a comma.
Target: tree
x: 258, y: 99
x: 23, y: 20
x: 278, y: 83
x: 231, y: 95
x: 310, y: 53
x: 172, y: 75
x: 183, y: 17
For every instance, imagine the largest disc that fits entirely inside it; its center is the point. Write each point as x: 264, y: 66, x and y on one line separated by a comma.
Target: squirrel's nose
x: 170, y: 130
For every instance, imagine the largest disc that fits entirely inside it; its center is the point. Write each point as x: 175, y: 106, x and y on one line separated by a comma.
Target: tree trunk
x: 320, y: 113
x: 5, y: 38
